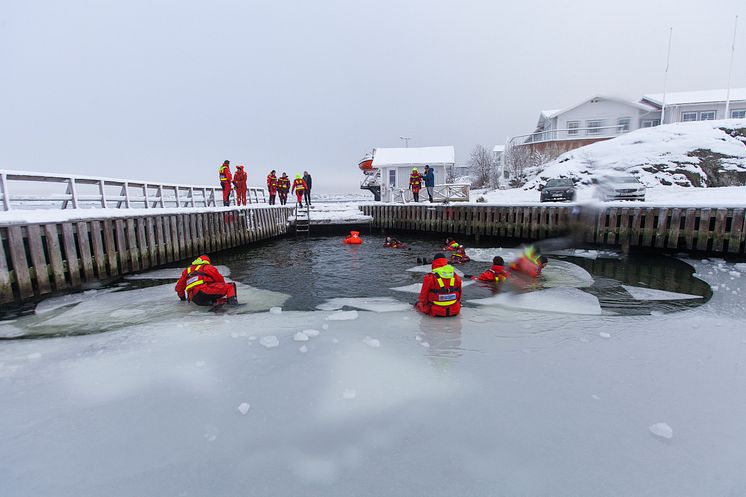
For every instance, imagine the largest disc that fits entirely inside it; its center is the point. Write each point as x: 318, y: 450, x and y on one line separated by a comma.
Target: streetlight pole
x: 406, y: 140
x: 730, y: 70
x: 665, y: 77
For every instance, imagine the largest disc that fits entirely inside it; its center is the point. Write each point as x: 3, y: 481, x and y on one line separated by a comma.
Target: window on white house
x: 649, y: 123
x: 738, y: 114
x: 572, y: 127
x: 594, y: 127
x: 392, y: 178
x: 707, y: 115
x: 623, y: 124
x: 688, y: 116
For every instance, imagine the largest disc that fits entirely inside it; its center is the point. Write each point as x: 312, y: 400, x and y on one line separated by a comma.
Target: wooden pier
x: 37, y: 259
x: 705, y: 230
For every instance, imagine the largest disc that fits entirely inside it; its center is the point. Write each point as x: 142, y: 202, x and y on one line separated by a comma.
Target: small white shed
x: 395, y: 166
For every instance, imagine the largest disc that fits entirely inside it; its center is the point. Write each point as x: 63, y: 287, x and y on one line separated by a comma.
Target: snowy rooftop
x: 695, y: 97
x: 414, y: 155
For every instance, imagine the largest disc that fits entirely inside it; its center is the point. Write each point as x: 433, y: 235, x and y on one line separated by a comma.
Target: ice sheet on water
x: 640, y: 293
x: 415, y: 287
x: 565, y: 274
x: 586, y: 254
x: 662, y: 430
x: 375, y: 304
x: 169, y: 273
x: 300, y: 337
x: 342, y: 316
x: 269, y: 341
x: 54, y: 303
x: 562, y: 300
x: 9, y: 330
x: 102, y: 311
x: 426, y: 268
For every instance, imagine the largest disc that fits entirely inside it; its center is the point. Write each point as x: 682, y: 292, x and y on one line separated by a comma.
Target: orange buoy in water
x: 354, y: 238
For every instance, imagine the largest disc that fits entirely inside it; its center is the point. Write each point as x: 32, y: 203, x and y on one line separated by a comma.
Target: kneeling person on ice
x: 440, y: 295
x: 202, y: 284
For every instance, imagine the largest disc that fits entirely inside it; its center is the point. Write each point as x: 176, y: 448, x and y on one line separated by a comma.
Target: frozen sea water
x: 501, y: 401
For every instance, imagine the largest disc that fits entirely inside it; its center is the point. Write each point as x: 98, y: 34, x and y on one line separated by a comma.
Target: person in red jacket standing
x: 202, y: 284
x: 440, y: 295
x: 283, y: 187
x: 496, y: 273
x: 415, y: 184
x: 299, y: 187
x: 272, y: 186
x: 224, y: 173
x: 239, y: 182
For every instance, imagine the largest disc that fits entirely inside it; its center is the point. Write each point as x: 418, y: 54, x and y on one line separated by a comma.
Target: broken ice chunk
x: 311, y: 333
x: 342, y: 316
x: 300, y: 337
x: 662, y: 430
x: 270, y: 341
x: 603, y: 334
x: 244, y: 407
x: 371, y: 342
x: 349, y: 393
x: 275, y: 310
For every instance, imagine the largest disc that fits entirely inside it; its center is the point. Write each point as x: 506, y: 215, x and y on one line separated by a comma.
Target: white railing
x: 31, y: 190
x: 568, y: 134
x: 448, y: 192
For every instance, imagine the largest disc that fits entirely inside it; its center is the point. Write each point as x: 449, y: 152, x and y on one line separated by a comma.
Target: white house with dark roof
x: 394, y: 166
x: 702, y: 105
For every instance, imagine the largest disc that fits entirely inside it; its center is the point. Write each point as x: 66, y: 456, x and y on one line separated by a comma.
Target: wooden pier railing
x: 720, y: 231
x: 37, y: 259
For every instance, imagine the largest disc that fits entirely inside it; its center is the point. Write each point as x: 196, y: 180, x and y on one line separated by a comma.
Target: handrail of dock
x: 40, y: 190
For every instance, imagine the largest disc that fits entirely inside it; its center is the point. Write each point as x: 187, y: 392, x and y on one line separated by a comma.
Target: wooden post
x: 736, y: 234
x: 84, y: 245
x: 55, y: 256
x: 98, y: 250
x: 36, y: 249
x: 6, y: 290
x: 71, y: 254
x: 111, y: 248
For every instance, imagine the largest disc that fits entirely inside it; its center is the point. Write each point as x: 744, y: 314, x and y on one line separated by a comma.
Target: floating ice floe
x: 311, y: 333
x: 342, y: 316
x: 661, y: 430
x: 170, y: 273
x: 561, y: 300
x: 375, y: 304
x: 244, y: 407
x: 10, y: 331
x: 565, y: 274
x: 269, y: 341
x: 300, y: 337
x: 640, y: 293
x: 54, y: 303
x: 349, y: 394
x: 416, y: 287
x: 303, y: 349
x: 603, y: 334
x: 427, y: 268
x: 275, y: 310
x: 372, y: 342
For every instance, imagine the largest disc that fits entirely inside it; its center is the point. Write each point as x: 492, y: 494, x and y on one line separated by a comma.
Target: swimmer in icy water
x: 440, y: 295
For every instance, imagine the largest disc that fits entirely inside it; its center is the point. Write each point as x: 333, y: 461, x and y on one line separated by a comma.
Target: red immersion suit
x: 498, y: 274
x: 239, y: 181
x: 440, y: 295
x: 272, y: 187
x: 224, y: 173
x: 202, y: 284
x: 299, y: 186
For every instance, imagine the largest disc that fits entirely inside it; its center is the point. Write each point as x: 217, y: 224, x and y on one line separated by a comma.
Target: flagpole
x: 665, y: 77
x: 730, y: 70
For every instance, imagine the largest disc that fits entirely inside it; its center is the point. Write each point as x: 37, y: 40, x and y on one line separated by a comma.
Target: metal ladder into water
x: 302, y: 220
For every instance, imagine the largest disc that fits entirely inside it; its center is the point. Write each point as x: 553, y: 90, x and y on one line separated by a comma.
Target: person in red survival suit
x: 459, y: 256
x: 272, y: 186
x: 224, y: 173
x: 239, y: 182
x: 440, y: 295
x: 531, y: 262
x: 299, y: 186
x: 283, y: 187
x: 451, y: 244
x: 496, y: 273
x: 202, y: 284
x: 415, y: 184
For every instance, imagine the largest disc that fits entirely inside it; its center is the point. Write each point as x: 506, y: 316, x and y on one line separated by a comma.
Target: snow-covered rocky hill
x: 696, y: 154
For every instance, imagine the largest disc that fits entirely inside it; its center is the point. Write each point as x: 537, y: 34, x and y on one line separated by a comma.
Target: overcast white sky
x: 168, y: 89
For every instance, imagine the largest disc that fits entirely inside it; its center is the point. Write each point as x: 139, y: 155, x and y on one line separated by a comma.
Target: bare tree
x: 482, y: 164
x: 517, y: 159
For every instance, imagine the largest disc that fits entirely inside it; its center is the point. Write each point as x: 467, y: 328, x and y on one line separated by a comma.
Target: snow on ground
x: 498, y: 401
x: 342, y: 212
x: 662, y: 155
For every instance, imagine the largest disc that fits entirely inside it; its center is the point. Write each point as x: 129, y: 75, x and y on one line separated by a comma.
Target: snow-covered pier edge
x: 701, y: 230
x: 44, y: 252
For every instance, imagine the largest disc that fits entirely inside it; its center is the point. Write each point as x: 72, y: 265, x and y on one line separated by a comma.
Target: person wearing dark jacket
x: 429, y: 178
x: 307, y: 193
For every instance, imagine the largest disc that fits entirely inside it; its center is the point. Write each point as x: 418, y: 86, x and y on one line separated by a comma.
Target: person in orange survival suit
x: 451, y: 244
x: 202, y: 284
x: 415, y: 184
x: 239, y: 182
x: 459, y: 256
x: 496, y: 273
x: 283, y: 187
x: 531, y: 262
x: 224, y: 173
x: 272, y: 186
x: 440, y: 295
x: 299, y: 187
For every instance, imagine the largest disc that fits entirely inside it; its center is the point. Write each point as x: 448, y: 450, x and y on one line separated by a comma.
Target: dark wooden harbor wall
x: 40, y: 259
x: 720, y: 231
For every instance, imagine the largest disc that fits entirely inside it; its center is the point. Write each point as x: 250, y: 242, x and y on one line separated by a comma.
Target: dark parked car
x: 557, y: 190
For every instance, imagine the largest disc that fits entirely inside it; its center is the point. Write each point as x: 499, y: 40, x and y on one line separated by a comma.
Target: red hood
x: 498, y: 268
x: 439, y: 262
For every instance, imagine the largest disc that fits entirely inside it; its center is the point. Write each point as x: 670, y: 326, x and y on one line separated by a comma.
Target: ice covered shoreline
x: 496, y: 402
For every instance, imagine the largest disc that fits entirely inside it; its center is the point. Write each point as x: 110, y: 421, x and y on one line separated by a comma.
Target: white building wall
x: 675, y: 113
x: 607, y: 111
x: 402, y: 178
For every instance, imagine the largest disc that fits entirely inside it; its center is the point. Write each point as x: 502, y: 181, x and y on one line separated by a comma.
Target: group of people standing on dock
x: 301, y: 186
x: 281, y: 186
